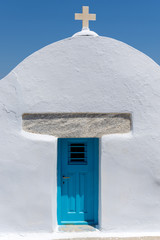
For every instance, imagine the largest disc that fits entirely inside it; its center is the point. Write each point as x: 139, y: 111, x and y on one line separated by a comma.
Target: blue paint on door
x: 77, y: 199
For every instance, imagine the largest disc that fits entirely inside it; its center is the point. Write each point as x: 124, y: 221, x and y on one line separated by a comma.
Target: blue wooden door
x: 78, y: 181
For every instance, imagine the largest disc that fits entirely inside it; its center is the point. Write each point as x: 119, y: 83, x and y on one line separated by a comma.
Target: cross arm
x: 78, y: 16
x: 92, y: 17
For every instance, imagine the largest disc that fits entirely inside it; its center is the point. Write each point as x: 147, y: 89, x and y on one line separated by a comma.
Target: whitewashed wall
x: 82, y: 74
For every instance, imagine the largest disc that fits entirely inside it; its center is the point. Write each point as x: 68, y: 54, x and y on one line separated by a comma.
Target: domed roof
x: 92, y: 67
x: 89, y: 74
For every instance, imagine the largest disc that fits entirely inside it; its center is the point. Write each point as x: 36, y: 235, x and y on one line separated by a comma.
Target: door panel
x: 83, y: 192
x: 78, y: 181
x: 71, y: 192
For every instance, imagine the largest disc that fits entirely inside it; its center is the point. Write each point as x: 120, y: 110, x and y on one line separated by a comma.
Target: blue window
x: 77, y: 153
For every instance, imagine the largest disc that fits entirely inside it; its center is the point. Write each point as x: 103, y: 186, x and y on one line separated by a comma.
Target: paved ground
x: 76, y: 228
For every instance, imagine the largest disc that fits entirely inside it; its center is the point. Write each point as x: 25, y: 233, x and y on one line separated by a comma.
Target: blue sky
x: 28, y: 25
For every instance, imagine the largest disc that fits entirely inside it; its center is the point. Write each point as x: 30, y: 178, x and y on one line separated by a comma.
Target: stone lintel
x: 77, y: 125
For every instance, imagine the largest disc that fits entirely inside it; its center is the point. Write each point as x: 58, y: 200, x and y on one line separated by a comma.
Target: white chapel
x: 80, y: 141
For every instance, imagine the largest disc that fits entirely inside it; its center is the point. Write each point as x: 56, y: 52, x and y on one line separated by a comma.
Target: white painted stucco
x: 82, y: 74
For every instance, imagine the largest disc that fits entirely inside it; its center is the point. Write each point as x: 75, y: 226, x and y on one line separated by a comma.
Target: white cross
x: 85, y: 17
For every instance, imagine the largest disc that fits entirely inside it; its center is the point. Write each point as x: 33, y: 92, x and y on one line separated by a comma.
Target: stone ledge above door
x: 77, y: 125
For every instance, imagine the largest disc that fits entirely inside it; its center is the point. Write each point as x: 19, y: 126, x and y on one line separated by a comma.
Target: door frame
x: 96, y: 182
